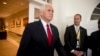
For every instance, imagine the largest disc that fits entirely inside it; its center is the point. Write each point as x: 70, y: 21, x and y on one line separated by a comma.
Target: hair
x: 78, y: 15
x: 43, y: 6
x: 98, y: 21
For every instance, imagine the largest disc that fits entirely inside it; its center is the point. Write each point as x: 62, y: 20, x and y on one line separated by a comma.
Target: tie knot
x: 76, y: 27
x: 47, y: 25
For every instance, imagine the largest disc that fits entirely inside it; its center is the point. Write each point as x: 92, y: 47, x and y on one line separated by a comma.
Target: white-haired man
x: 40, y: 38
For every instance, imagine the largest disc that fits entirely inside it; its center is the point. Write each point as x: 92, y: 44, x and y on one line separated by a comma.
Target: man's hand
x: 81, y: 53
x: 78, y: 53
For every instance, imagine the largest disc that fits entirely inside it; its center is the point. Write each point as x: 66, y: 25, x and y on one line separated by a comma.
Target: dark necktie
x: 49, y: 35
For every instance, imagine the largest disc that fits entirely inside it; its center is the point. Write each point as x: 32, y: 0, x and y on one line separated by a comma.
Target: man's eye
x: 50, y: 10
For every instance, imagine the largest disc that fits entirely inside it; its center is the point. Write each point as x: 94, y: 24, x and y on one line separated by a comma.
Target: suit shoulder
x: 83, y: 28
x: 32, y: 25
x: 69, y: 27
x: 95, y: 32
x: 53, y: 26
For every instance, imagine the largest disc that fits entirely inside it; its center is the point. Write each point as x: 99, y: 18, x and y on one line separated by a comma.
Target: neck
x: 47, y: 21
x: 76, y: 25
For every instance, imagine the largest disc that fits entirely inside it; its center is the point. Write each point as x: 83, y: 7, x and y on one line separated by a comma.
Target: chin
x: 77, y: 24
x: 50, y: 19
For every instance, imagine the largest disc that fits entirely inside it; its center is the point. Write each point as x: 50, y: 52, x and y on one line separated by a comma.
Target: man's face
x: 77, y: 20
x: 47, y: 13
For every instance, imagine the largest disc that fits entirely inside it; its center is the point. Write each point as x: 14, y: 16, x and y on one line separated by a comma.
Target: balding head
x: 43, y: 6
x: 46, y: 12
x: 77, y: 19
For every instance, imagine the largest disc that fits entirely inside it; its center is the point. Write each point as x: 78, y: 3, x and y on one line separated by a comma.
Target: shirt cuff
x: 72, y: 51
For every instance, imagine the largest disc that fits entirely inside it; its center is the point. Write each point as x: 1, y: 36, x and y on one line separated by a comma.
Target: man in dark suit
x: 40, y: 38
x: 95, y: 41
x: 75, y: 38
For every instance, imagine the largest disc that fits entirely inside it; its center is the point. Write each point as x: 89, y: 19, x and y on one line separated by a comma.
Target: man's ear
x: 41, y: 12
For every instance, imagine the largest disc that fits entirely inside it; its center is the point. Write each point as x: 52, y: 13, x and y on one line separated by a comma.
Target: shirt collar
x: 77, y: 26
x: 44, y: 23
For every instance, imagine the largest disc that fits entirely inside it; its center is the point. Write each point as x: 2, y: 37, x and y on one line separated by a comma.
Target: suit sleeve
x: 86, y: 41
x: 59, y: 47
x: 66, y: 39
x: 24, y: 42
x: 92, y: 42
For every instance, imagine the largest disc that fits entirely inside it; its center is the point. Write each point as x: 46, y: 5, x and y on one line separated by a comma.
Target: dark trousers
x: 95, y: 52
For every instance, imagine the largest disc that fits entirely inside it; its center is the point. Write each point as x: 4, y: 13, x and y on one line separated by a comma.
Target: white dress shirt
x: 77, y: 29
x: 45, y: 26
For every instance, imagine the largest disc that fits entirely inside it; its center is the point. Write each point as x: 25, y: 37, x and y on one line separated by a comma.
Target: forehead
x: 48, y: 7
x: 77, y: 16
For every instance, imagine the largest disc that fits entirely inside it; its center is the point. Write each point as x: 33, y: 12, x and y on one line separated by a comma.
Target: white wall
x: 85, y: 7
x: 64, y: 10
x: 17, y: 16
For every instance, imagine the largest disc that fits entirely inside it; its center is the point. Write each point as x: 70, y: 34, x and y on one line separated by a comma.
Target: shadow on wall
x: 96, y: 13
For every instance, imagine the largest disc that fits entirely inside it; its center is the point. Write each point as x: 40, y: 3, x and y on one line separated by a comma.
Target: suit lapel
x: 74, y: 32
x: 53, y: 34
x: 81, y: 37
x: 74, y: 38
x: 43, y: 33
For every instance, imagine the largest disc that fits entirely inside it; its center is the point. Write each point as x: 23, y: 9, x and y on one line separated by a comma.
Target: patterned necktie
x: 49, y: 35
x: 78, y: 33
x: 78, y: 37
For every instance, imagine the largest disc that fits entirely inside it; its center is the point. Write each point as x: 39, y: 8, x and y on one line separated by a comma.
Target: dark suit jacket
x: 70, y: 39
x: 34, y: 41
x: 94, y: 43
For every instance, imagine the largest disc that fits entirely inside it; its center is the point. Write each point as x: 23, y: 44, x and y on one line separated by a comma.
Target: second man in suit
x: 75, y: 38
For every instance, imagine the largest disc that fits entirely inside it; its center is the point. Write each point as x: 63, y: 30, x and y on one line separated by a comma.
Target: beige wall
x: 14, y: 22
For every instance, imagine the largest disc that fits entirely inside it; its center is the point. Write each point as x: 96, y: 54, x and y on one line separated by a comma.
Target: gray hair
x: 43, y: 6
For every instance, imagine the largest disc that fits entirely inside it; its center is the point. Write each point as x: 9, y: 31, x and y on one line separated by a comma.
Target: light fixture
x: 5, y: 3
x: 22, y: 3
